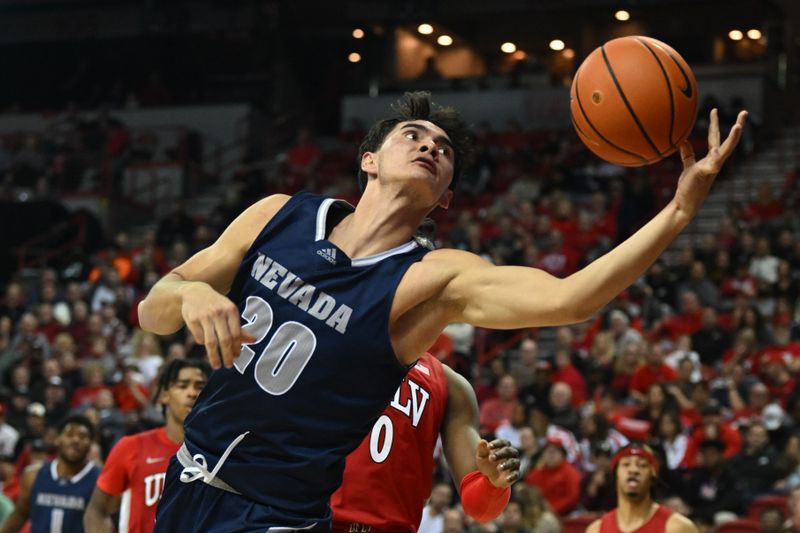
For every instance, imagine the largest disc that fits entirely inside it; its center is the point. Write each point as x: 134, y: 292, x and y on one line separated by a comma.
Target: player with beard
x: 635, y: 469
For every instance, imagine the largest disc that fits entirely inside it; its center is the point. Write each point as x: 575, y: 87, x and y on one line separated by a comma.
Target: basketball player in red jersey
x: 133, y: 476
x: 635, y: 468
x: 388, y: 477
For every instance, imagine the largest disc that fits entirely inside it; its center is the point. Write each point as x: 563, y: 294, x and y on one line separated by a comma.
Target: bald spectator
x: 496, y: 410
x: 523, y: 366
x: 699, y: 284
x: 563, y: 412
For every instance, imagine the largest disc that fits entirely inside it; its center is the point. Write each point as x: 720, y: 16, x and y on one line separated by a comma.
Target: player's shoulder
x: 677, y: 523
x: 454, y: 256
x: 594, y: 527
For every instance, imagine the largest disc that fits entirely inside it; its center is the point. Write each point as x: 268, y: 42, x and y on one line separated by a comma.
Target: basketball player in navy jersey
x: 330, y: 304
x: 54, y: 494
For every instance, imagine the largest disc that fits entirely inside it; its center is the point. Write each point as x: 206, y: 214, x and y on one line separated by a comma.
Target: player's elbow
x: 150, y: 319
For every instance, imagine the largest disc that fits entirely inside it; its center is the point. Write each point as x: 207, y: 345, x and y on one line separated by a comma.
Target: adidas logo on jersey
x: 329, y: 254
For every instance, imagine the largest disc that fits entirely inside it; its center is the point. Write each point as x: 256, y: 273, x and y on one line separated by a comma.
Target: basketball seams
x: 669, y: 89
x: 627, y: 103
x: 594, y: 129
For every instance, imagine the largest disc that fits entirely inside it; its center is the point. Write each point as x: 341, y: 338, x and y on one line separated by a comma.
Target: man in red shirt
x: 559, y: 481
x: 389, y: 476
x: 133, y: 476
x: 495, y: 411
x: 655, y: 370
x: 635, y: 469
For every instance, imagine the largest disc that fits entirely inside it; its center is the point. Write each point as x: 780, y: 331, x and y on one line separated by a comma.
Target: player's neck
x: 67, y: 470
x: 174, y: 430
x: 632, y: 513
x: 381, y: 221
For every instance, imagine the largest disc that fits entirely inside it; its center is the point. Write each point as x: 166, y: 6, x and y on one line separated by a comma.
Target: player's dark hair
x: 169, y: 374
x: 418, y: 106
x: 78, y: 420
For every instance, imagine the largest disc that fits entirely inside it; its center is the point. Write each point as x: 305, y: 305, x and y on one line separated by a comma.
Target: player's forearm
x: 97, y: 522
x: 160, y: 311
x: 598, y: 283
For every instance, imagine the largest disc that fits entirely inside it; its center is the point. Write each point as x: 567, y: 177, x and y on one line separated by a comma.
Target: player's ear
x: 445, y: 199
x: 163, y: 397
x: 368, y: 163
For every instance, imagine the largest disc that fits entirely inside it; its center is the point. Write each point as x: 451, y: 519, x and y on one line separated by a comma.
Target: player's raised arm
x: 192, y: 294
x: 483, y: 471
x: 516, y: 297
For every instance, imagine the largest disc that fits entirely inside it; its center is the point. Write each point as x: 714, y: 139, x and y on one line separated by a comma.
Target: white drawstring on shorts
x: 200, y: 471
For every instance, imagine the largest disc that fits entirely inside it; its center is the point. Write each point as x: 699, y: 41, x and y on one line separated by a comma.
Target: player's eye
x: 444, y: 150
x: 411, y: 135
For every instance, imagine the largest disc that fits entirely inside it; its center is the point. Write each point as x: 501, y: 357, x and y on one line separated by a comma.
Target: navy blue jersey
x: 320, y: 373
x: 57, y: 504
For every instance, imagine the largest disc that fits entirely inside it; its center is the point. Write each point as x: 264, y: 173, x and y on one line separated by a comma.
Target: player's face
x: 74, y: 443
x: 417, y: 151
x: 181, y: 395
x: 634, y: 476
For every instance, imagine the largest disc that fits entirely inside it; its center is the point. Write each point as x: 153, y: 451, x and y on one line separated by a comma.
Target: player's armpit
x: 678, y: 523
x: 594, y: 527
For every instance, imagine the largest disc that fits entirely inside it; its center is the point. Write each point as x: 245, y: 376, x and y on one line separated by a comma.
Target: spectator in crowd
x: 433, y: 514
x: 712, y: 488
x: 562, y: 411
x: 756, y: 466
x: 537, y: 517
x: 496, y: 410
x: 559, y: 481
x: 711, y: 340
x: 598, y: 490
x: 8, y: 435
x: 654, y: 371
x: 523, y: 364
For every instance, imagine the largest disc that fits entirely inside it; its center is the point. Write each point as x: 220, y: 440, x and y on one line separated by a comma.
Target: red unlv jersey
x: 656, y: 524
x: 135, y: 469
x: 388, y: 477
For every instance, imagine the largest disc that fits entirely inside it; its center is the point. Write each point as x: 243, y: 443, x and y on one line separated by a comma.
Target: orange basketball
x: 633, y: 101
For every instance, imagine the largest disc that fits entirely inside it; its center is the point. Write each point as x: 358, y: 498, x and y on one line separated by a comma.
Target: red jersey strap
x: 656, y: 524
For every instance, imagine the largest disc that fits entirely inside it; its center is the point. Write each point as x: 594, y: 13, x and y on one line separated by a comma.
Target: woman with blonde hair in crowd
x: 146, y: 351
x: 537, y: 517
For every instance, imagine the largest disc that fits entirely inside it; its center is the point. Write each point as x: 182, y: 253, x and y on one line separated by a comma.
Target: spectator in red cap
x: 559, y: 481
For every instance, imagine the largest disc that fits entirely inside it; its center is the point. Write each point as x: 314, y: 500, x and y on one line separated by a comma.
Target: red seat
x: 577, y: 524
x: 742, y: 525
x: 758, y: 505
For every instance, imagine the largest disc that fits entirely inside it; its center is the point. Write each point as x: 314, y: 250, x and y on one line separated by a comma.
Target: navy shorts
x: 199, y: 507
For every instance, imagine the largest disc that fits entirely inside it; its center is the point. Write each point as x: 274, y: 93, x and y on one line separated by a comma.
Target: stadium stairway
x: 770, y: 163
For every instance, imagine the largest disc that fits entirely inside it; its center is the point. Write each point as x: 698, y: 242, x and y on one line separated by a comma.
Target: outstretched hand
x: 498, y: 461
x: 698, y: 176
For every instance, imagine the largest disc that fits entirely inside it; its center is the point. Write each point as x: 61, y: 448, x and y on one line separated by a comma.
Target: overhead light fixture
x: 557, y: 44
x: 519, y: 55
x: 568, y: 53
x: 735, y: 35
x: 354, y: 57
x: 445, y: 40
x: 622, y: 15
x: 358, y: 33
x: 425, y: 29
x: 754, y: 34
x: 508, y: 47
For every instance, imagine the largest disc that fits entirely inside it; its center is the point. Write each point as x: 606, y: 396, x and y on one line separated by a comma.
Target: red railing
x: 39, y: 250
